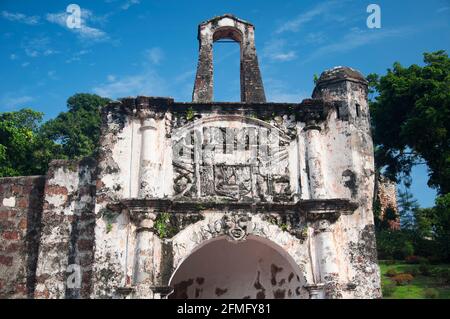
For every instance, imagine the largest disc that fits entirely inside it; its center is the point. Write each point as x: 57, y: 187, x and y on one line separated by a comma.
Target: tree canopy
x: 27, y: 146
x: 411, y: 119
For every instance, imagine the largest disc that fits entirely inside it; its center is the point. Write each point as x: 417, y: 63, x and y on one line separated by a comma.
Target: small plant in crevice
x: 190, y: 114
x: 163, y: 226
x: 109, y: 216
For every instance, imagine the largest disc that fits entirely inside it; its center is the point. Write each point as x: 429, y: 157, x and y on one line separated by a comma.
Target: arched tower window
x: 226, y: 66
x: 232, y: 28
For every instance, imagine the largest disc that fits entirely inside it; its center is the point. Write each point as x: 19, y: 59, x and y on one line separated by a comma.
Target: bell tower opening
x: 226, y: 66
x: 228, y: 27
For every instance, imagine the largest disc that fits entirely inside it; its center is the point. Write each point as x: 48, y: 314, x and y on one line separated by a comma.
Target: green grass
x: 415, y: 289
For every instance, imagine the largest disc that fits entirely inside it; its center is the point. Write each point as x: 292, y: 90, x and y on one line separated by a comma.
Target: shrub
x: 407, y: 249
x: 402, y: 279
x: 390, y: 262
x: 424, y: 270
x: 412, y: 271
x: 388, y: 289
x: 434, y: 260
x: 412, y: 259
x: 442, y: 274
x: 431, y: 293
x: 391, y: 272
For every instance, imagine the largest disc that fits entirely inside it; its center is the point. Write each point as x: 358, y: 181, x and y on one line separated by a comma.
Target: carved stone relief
x: 232, y: 160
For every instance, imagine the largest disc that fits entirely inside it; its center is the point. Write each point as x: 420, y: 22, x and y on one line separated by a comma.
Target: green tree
x: 410, y: 110
x: 78, y: 129
x: 23, y: 151
x: 407, y: 206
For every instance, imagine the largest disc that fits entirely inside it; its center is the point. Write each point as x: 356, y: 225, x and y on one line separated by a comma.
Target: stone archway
x: 252, y: 269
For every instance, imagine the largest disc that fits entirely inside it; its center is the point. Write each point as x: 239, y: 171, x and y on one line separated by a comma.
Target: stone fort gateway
x: 205, y: 199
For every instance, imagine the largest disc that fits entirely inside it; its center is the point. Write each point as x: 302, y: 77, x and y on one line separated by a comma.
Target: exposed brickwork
x: 20, y: 214
x: 129, y: 219
x: 386, y: 192
x: 68, y: 229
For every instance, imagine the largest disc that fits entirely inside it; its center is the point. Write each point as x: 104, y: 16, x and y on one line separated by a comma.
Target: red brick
x: 23, y: 203
x: 99, y: 184
x: 14, y: 247
x: 21, y: 289
x: 6, y: 260
x: 56, y: 190
x: 16, y: 189
x: 42, y: 294
x: 23, y: 223
x: 4, y: 214
x: 11, y: 235
x: 84, y: 244
x: 7, y: 224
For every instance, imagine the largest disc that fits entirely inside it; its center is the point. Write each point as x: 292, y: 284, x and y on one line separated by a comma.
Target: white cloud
x: 326, y: 11
x: 275, y: 50
x: 443, y: 9
x: 20, y: 17
x: 77, y: 56
x: 295, y: 24
x: 11, y: 101
x: 279, y: 91
x: 185, y: 76
x: 315, y: 38
x: 129, y: 3
x: 39, y: 46
x: 155, y: 55
x: 357, y: 38
x: 13, y: 56
x: 111, y: 78
x: 146, y: 83
x: 25, y: 64
x: 52, y: 74
x: 85, y: 32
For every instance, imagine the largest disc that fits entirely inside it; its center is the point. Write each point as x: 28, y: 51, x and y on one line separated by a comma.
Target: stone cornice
x: 315, y: 208
x: 156, y: 107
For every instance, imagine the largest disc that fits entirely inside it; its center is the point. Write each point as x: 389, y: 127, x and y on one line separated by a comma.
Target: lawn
x: 419, y: 284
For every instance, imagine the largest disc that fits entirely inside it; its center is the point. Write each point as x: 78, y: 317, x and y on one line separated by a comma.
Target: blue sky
x: 131, y: 47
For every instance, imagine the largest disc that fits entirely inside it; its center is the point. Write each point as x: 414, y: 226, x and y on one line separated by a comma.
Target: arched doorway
x: 252, y: 269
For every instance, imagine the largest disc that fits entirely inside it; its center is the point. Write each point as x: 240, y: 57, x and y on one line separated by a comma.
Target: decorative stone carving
x: 236, y: 226
x: 232, y: 161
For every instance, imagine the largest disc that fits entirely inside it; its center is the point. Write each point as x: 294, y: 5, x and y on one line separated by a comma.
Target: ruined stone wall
x: 349, y: 173
x: 67, y: 233
x: 117, y: 178
x: 20, y: 217
x: 298, y: 177
x: 386, y: 195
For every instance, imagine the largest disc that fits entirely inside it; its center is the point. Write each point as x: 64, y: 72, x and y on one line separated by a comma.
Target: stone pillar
x: 143, y: 269
x: 153, y: 259
x: 149, y: 167
x: 203, y: 86
x: 327, y: 257
x: 314, y: 161
x: 315, y: 291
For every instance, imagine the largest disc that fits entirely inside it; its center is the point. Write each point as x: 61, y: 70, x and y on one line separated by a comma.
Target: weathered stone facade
x: 386, y: 197
x: 208, y: 199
